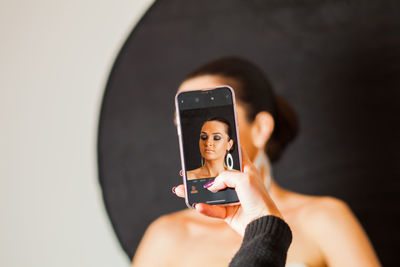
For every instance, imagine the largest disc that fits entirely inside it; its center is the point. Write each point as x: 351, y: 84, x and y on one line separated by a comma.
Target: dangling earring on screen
x: 229, y: 161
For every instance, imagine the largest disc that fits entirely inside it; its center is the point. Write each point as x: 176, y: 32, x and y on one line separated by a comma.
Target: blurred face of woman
x: 208, y: 81
x: 214, y: 141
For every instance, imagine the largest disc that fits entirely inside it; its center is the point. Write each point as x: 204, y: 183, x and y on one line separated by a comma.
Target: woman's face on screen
x: 214, y: 141
x: 244, y: 126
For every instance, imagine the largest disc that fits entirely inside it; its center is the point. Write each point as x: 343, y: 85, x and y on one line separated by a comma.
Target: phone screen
x: 209, y: 142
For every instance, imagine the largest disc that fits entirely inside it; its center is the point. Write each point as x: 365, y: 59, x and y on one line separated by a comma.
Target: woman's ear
x: 230, y: 145
x: 262, y: 128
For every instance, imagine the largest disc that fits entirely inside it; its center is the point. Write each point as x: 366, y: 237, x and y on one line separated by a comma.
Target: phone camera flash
x: 212, y: 98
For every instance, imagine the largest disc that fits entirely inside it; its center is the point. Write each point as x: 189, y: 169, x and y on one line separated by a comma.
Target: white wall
x: 55, y: 57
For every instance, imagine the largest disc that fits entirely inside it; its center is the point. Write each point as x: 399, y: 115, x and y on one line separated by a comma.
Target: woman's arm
x: 266, y: 236
x: 265, y: 243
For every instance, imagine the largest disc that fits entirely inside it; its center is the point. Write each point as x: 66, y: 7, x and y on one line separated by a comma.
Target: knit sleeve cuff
x: 275, y: 228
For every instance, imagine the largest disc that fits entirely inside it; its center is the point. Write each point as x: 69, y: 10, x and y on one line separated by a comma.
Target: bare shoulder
x: 317, y: 214
x: 323, y: 212
x: 169, y: 227
x: 332, y: 225
x: 326, y: 207
x: 166, y: 231
x: 193, y: 174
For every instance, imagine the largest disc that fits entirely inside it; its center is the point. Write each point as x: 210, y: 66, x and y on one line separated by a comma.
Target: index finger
x: 232, y: 178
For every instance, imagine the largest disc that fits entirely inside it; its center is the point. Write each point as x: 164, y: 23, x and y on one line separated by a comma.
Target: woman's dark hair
x: 228, y: 126
x: 253, y: 89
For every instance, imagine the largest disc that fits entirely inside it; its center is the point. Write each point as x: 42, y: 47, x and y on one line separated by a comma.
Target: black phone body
x: 194, y: 109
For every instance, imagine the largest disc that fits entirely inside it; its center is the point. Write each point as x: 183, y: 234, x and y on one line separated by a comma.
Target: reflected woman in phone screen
x: 215, y: 144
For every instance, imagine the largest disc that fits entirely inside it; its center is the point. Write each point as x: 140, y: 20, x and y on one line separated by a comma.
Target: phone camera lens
x: 196, y: 99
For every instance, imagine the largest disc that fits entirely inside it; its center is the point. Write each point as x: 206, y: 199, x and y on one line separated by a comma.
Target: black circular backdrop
x: 337, y: 63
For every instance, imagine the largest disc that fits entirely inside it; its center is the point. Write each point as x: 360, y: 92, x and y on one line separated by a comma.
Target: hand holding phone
x: 209, y: 142
x: 255, y: 201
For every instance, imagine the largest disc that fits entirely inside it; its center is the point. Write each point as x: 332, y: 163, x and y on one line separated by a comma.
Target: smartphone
x: 209, y: 142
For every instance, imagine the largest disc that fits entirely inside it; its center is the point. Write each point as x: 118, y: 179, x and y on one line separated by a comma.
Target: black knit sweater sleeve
x: 265, y: 243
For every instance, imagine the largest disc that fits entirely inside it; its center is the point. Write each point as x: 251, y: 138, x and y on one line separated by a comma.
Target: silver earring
x: 229, y: 161
x: 202, y: 161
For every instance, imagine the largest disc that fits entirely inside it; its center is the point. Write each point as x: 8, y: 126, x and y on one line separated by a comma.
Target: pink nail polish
x: 210, y: 183
x: 173, y: 189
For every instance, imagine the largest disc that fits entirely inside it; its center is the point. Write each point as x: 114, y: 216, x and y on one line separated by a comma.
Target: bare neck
x: 275, y: 191
x: 214, y: 167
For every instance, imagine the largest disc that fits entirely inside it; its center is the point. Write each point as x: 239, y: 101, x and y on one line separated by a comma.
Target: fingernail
x: 194, y: 205
x: 209, y: 184
x: 173, y: 189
